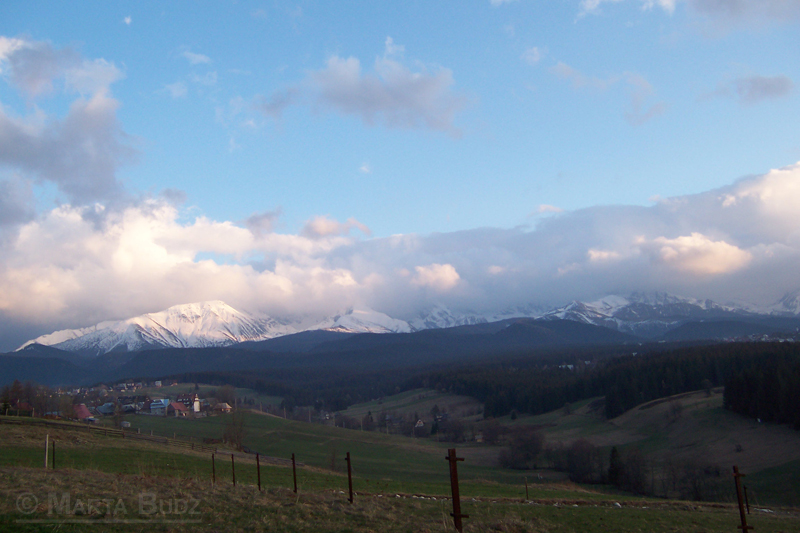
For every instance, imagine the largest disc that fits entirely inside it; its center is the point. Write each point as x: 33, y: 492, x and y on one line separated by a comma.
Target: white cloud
x: 261, y: 224
x: 579, y: 80
x: 16, y: 202
x: 195, y: 59
x: 723, y: 13
x: 80, y: 152
x: 102, y: 261
x: 34, y: 66
x: 640, y: 91
x: 177, y: 89
x: 602, y: 255
x: 365, y: 168
x: 531, y: 56
x: 322, y: 226
x: 753, y: 89
x: 748, y: 12
x: 438, y: 277
x: 92, y: 77
x: 697, y: 254
x: 545, y: 208
x: 393, y: 94
x: 209, y: 78
x: 127, y: 20
x: 593, y: 6
x: 393, y: 49
x: 498, y: 3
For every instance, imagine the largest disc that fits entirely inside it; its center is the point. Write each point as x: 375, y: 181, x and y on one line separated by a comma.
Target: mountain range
x: 216, y: 324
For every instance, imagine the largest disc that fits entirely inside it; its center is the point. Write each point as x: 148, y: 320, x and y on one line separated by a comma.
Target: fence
x: 451, y: 458
x: 109, y: 432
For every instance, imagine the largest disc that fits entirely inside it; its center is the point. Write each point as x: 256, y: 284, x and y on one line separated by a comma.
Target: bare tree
x: 234, y: 430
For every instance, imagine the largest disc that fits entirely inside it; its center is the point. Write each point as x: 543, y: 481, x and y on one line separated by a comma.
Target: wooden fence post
x: 233, y: 470
x: 46, y: 449
x: 456, y: 514
x: 349, y: 476
x: 54, y: 454
x: 213, y: 470
x: 746, y: 500
x: 736, y: 476
x: 294, y: 474
x: 258, y: 470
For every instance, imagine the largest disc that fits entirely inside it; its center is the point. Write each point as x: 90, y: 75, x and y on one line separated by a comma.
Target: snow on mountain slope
x: 788, y: 305
x: 195, y: 325
x: 440, y: 316
x: 214, y: 323
x: 363, y: 320
x: 644, y: 314
x: 520, y: 311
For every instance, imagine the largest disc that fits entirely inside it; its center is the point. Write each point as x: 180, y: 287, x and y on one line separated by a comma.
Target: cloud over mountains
x: 103, y: 252
x: 740, y: 241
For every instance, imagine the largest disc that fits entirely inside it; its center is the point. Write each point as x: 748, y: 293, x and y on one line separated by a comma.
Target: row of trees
x: 31, y: 398
x: 626, y: 469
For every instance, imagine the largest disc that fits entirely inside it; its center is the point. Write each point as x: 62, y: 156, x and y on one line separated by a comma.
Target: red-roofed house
x: 178, y: 409
x: 81, y: 411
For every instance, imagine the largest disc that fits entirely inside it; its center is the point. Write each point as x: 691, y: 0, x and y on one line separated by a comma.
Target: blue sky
x: 281, y: 148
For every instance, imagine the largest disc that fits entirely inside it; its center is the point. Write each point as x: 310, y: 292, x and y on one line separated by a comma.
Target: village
x: 91, y: 404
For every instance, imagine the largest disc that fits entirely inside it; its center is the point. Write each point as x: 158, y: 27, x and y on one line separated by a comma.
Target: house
x: 177, y: 409
x: 159, y: 407
x: 81, y: 411
x: 222, y: 407
x: 107, y: 408
x: 187, y: 399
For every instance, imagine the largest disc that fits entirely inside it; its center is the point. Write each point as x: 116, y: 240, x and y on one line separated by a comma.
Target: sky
x: 299, y: 158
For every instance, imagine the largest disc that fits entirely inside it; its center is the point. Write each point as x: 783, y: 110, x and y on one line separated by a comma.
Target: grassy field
x: 400, y: 484
x: 32, y: 499
x: 420, y: 401
x: 391, y: 462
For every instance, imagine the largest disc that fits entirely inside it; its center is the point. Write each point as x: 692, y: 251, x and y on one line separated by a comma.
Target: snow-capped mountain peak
x: 195, y: 325
x: 363, y: 320
x: 439, y: 316
x: 214, y: 323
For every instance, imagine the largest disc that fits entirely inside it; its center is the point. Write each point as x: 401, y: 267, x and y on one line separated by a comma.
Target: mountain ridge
x: 216, y: 324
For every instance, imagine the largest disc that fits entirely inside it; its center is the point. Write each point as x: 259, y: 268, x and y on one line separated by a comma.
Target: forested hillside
x: 764, y: 379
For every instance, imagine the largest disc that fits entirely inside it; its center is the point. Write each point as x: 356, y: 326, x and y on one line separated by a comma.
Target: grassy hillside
x: 691, y: 427
x: 130, y: 476
x: 419, y: 401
